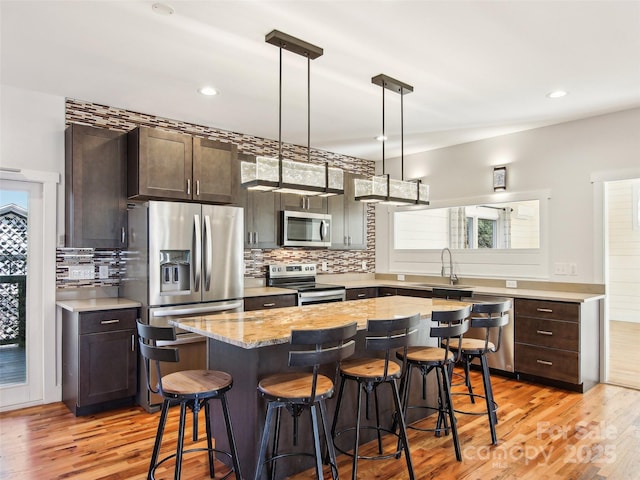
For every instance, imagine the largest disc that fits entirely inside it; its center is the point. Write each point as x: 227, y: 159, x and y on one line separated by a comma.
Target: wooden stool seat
x: 196, y: 382
x: 427, y: 355
x: 472, y: 345
x: 369, y: 368
x: 295, y: 386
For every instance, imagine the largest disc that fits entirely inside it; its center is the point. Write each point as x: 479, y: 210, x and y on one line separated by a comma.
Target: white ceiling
x: 478, y: 68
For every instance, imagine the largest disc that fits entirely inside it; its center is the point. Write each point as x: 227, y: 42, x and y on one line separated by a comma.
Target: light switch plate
x: 81, y: 272
x: 400, y: 277
x: 512, y: 284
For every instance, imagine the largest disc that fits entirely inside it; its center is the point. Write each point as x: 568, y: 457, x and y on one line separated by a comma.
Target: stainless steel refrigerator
x: 184, y: 259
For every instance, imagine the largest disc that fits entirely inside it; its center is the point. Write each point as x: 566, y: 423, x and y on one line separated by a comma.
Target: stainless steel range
x: 302, y: 277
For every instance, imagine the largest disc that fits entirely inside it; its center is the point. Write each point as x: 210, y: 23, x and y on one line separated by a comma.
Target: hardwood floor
x: 624, y: 355
x: 543, y: 433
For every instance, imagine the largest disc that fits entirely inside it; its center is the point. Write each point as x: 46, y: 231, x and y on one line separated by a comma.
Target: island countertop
x: 271, y: 327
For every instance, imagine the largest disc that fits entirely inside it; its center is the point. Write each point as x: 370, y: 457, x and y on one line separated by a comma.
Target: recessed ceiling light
x: 208, y: 91
x: 162, y: 9
x: 557, y: 94
x: 381, y: 138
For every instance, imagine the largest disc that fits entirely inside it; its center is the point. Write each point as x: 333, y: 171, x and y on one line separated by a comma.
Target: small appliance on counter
x: 184, y: 259
x: 302, y: 277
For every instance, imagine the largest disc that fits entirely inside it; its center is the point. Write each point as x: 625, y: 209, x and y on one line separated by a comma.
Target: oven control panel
x: 292, y: 270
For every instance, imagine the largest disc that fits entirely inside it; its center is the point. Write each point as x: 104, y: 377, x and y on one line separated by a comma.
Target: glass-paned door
x: 20, y: 333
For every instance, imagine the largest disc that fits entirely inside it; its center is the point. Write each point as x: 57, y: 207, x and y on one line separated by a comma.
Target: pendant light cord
x: 384, y: 137
x: 280, y: 106
x: 401, y: 134
x: 308, y: 109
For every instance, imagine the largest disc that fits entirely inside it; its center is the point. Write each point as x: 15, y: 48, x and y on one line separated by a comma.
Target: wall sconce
x: 499, y: 179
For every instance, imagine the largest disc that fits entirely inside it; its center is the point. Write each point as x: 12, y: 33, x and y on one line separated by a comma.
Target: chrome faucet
x: 452, y: 276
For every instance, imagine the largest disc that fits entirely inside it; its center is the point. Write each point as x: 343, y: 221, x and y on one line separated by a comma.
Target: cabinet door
x: 349, y: 218
x: 95, y: 187
x: 215, y: 171
x: 160, y: 164
x: 355, y: 216
x: 314, y: 204
x: 264, y: 214
x: 269, y: 301
x: 108, y: 366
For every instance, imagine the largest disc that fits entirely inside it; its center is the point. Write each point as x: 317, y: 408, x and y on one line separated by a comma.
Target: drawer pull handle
x: 133, y: 343
x: 269, y: 305
x: 545, y: 362
x: 361, y: 295
x: 544, y: 332
x: 107, y: 322
x: 544, y: 310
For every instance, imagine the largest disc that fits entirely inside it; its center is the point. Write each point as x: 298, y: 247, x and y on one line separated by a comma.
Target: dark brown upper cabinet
x: 95, y: 187
x: 348, y: 218
x: 175, y: 166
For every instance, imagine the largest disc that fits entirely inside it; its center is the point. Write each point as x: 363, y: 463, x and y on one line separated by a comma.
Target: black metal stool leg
x: 354, y: 473
x: 488, y: 394
x: 452, y: 418
x: 207, y: 419
x: 331, y: 452
x: 467, y: 377
x: 375, y: 397
x: 265, y: 440
x: 403, y: 430
x: 180, y: 447
x: 159, y: 435
x: 232, y: 439
x: 316, y: 440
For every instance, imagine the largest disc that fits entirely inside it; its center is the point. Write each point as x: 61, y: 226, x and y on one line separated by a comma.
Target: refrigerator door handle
x: 208, y: 253
x: 197, y: 253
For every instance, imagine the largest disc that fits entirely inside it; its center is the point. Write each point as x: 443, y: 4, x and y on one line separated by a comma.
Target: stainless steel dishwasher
x: 503, y: 359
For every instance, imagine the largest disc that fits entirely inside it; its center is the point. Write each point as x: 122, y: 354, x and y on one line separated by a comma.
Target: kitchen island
x: 251, y: 345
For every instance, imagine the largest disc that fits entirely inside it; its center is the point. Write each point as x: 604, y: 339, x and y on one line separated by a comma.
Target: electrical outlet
x: 400, y: 277
x: 324, y: 266
x: 104, y: 271
x: 512, y: 284
x: 573, y: 269
x: 364, y: 265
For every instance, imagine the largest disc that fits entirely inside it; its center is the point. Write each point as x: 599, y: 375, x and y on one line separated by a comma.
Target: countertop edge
x: 96, y: 304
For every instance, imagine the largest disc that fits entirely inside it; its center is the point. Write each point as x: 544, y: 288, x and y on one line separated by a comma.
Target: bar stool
x: 190, y: 389
x: 487, y: 316
x: 297, y: 391
x: 369, y: 373
x: 451, y: 326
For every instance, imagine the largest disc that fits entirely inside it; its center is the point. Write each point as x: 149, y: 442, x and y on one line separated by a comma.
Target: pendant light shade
x: 291, y: 176
x: 382, y: 188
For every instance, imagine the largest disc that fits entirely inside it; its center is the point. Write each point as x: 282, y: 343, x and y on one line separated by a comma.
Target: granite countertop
x: 94, y: 304
x: 262, y: 328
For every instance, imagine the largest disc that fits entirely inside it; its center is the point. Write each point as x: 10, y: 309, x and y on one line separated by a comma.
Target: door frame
x: 41, y: 299
x: 601, y: 262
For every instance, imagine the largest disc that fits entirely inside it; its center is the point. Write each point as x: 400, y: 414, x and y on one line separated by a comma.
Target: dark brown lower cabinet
x: 558, y: 342
x: 269, y: 301
x: 99, y: 359
x: 361, y: 293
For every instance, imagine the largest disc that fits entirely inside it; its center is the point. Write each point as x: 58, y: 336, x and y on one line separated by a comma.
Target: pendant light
x: 284, y: 175
x: 382, y: 188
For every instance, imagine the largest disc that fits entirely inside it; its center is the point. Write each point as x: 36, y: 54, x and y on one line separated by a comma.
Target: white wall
x: 32, y: 135
x: 558, y: 159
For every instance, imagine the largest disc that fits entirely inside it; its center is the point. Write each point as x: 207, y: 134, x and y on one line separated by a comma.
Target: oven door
x: 304, y: 229
x: 322, y: 296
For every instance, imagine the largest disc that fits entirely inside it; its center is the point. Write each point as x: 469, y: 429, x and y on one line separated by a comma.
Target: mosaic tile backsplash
x: 350, y: 261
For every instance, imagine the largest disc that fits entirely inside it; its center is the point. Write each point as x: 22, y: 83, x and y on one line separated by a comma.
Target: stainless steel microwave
x: 305, y: 229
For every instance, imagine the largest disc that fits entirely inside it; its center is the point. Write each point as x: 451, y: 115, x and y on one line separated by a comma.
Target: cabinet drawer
x: 108, y: 320
x: 387, y: 291
x: 548, y: 333
x: 361, y: 293
x: 545, y: 362
x: 269, y: 301
x: 410, y: 292
x: 545, y: 309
